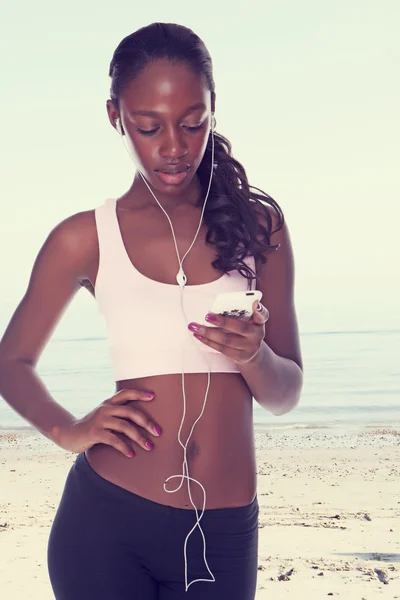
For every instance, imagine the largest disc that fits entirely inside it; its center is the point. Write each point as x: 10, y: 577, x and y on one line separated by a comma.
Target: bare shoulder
x: 76, y: 233
x: 75, y: 240
x: 60, y: 267
x: 268, y: 215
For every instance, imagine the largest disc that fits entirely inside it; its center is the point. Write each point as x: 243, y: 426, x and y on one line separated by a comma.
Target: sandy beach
x: 329, y: 513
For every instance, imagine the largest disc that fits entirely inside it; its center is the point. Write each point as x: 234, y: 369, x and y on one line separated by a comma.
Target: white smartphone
x: 235, y: 304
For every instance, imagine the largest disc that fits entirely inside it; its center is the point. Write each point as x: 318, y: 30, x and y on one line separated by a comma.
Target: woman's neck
x: 139, y: 196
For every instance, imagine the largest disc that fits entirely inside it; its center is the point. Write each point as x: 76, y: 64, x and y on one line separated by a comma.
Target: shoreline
x: 276, y: 425
x: 299, y: 432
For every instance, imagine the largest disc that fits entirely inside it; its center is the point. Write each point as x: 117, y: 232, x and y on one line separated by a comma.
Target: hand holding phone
x: 245, y: 340
x: 238, y: 305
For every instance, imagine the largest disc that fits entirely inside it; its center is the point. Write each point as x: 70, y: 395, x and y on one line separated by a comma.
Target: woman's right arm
x: 61, y: 263
x: 69, y: 255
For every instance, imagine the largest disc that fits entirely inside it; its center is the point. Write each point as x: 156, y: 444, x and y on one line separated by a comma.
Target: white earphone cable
x: 182, y: 279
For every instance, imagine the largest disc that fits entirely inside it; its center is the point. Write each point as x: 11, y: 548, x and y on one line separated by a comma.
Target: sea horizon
x: 351, y: 379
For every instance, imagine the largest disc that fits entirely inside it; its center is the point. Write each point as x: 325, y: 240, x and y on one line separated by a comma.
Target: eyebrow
x: 152, y: 113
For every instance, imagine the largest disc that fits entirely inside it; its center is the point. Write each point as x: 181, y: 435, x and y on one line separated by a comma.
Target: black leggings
x: 109, y: 544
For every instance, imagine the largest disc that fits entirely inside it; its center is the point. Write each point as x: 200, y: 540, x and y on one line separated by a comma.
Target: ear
x: 112, y: 112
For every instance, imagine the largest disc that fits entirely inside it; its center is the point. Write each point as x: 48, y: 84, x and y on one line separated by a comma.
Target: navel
x: 193, y: 450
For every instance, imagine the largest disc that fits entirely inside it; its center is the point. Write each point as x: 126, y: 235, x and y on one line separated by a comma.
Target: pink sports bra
x: 146, y: 327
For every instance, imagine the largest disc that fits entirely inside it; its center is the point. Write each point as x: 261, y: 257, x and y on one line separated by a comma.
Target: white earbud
x: 118, y: 126
x: 213, y: 122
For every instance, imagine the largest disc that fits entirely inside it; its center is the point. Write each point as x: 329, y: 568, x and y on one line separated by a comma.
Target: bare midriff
x: 220, y: 453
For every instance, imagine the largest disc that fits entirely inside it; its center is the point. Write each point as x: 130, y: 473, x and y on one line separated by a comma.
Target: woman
x: 131, y: 523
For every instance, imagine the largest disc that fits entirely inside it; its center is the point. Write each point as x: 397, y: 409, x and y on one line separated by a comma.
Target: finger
x: 234, y: 354
x: 260, y: 313
x: 231, y: 326
x: 222, y: 336
x: 132, y: 432
x: 135, y: 415
x: 235, y: 325
x: 125, y: 395
x: 109, y: 438
x: 236, y: 335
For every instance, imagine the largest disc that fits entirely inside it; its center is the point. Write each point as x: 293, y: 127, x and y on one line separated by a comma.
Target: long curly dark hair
x: 237, y: 216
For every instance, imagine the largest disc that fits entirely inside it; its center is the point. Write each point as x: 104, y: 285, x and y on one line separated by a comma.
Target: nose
x: 173, y: 143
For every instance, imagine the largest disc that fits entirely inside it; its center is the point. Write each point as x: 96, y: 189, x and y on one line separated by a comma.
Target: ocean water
x: 351, y: 378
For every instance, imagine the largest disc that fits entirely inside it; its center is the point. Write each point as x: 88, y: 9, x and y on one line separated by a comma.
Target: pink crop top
x: 145, y: 324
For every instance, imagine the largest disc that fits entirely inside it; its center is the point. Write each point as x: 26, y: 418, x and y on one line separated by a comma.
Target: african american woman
x: 161, y: 500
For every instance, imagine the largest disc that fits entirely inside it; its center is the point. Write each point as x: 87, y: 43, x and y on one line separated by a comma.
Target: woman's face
x: 166, y: 117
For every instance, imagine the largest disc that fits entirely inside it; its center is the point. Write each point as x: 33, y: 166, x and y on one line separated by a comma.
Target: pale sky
x: 308, y: 92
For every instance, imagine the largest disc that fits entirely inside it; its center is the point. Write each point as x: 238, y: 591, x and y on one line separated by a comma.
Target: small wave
x: 21, y: 428
x: 351, y: 332
x: 298, y: 426
x: 82, y: 339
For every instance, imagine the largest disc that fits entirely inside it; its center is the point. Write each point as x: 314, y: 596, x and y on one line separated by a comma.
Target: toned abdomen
x: 220, y: 452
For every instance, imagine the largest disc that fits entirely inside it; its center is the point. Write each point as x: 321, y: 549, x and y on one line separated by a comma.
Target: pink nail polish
x: 193, y: 327
x: 211, y: 318
x: 149, y: 445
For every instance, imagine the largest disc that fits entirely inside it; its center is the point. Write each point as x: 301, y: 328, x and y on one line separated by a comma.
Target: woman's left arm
x: 275, y: 374
x: 266, y: 349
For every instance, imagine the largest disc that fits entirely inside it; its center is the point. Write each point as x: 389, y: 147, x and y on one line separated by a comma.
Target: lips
x: 173, y: 176
x: 174, y: 170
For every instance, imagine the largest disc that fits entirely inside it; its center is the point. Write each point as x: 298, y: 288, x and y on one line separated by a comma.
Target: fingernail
x: 149, y: 445
x: 193, y: 327
x: 157, y: 430
x: 211, y: 318
x: 259, y: 307
x: 131, y: 454
x: 149, y: 395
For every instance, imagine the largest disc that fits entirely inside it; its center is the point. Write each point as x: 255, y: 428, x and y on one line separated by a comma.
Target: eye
x: 153, y: 131
x: 145, y: 132
x: 196, y: 128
